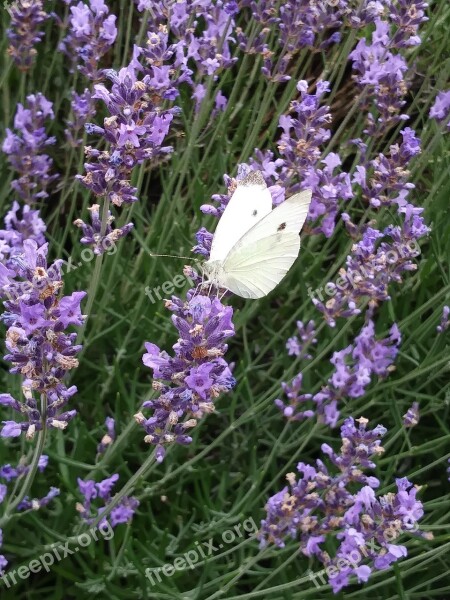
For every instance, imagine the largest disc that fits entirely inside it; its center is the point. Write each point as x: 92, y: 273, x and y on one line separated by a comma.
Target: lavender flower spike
x: 441, y: 108
x: 445, y: 321
x: 91, y: 33
x: 122, y: 513
x: 23, y: 33
x: 339, y: 503
x: 38, y: 348
x: 189, y: 382
x: 135, y: 131
x: 18, y: 228
x: 109, y: 437
x: 26, y: 149
x: 411, y: 417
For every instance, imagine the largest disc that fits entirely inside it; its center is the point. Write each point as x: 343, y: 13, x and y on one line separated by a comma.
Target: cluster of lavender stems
x: 336, y: 506
x: 37, y: 313
x: 379, y: 259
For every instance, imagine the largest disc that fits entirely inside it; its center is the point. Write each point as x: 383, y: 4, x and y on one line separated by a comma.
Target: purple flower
x: 407, y: 16
x: 18, y: 229
x: 445, y: 321
x: 384, y: 72
x: 26, y: 149
x: 122, y: 513
x: 318, y: 506
x: 411, y: 417
x: 109, y: 436
x: 10, y: 429
x: 354, y: 368
x: 37, y: 503
x: 441, y: 107
x: 9, y: 474
x: 295, y: 25
x: 92, y: 234
x: 83, y: 110
x: 300, y: 144
x: 306, y: 337
x: 291, y: 410
x: 23, y: 33
x: 372, y: 266
x: 199, y: 380
x: 38, y: 349
x: 69, y: 309
x: 190, y: 381
x: 134, y: 132
x: 91, y: 34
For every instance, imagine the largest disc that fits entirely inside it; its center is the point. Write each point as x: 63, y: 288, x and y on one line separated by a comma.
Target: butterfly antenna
x: 172, y: 256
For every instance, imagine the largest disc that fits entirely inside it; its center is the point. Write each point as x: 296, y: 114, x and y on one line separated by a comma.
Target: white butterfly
x: 254, y: 246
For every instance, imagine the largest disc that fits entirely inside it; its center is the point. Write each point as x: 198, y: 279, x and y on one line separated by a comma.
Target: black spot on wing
x: 281, y: 227
x: 254, y: 213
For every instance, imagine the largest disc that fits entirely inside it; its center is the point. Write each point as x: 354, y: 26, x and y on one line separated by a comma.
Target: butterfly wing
x: 250, y: 203
x: 263, y: 256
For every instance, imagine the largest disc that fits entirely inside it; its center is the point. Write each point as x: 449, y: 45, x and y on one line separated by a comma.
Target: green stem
x: 28, y: 481
x: 93, y: 286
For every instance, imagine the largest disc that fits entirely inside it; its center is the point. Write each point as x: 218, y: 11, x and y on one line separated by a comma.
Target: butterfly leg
x: 223, y: 295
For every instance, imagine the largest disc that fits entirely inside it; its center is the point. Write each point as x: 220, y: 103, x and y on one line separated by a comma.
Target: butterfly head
x: 212, y: 269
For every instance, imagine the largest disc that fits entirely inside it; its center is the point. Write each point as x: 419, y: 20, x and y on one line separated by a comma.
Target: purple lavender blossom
x: 92, y: 233
x: 445, y: 321
x: 189, y: 382
x: 354, y: 368
x: 383, y: 74
x: 23, y: 34
x: 371, y: 268
x: 411, y: 417
x: 83, y: 109
x: 204, y: 37
x: 109, y: 436
x: 39, y: 350
x: 299, y: 146
x: 407, y: 16
x: 384, y: 180
x: 122, y: 513
x: 291, y: 410
x: 322, y: 506
x: 210, y: 49
x: 28, y: 226
x: 36, y: 503
x: 26, y: 149
x: 297, y: 25
x: 134, y: 131
x: 92, y: 31
x: 306, y: 337
x: 441, y: 108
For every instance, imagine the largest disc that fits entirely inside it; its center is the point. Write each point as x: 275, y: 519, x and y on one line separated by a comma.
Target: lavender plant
x: 168, y: 411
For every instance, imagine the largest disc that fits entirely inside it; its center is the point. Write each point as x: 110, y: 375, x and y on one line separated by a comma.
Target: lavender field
x: 183, y: 415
